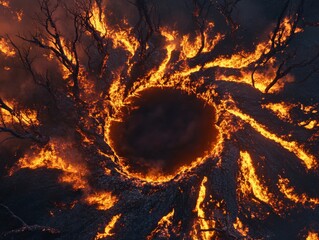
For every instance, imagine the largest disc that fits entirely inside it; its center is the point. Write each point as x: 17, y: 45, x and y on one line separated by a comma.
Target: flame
x: 282, y: 110
x: 5, y: 3
x: 242, y: 60
x: 309, y: 160
x: 24, y: 117
x: 239, y: 226
x: 162, y: 226
x: 249, y: 181
x: 191, y: 48
x: 108, y: 228
x: 120, y: 38
x: 102, y: 200
x: 6, y: 49
x: 290, y: 193
x: 178, y: 75
x: 312, y: 236
x: 51, y: 157
x: 202, y: 222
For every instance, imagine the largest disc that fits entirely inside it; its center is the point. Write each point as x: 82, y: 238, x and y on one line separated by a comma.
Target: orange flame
x: 290, y: 193
x: 108, y: 228
x: 250, y: 182
x: 202, y: 222
x: 309, y: 160
x: 53, y: 157
x: 312, y: 236
x: 162, y: 226
x: 102, y: 201
x: 6, y: 49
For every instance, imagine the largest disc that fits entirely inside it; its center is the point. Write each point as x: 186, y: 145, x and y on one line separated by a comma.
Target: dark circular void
x: 163, y: 129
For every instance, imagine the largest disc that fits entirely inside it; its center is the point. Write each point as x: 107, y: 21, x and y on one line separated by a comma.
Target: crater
x: 163, y: 130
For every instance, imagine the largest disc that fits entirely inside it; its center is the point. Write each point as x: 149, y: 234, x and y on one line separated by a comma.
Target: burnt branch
x: 280, y: 39
x: 19, y: 124
x: 52, y: 40
x: 226, y: 9
x: 25, y: 228
x: 283, y: 70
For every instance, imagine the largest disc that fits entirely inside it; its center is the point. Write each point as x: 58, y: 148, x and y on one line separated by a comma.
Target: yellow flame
x: 191, y: 48
x: 162, y: 226
x: 290, y: 193
x: 119, y: 37
x: 202, y: 221
x: 282, y: 110
x: 250, y: 181
x: 51, y: 157
x: 312, y: 236
x: 25, y: 117
x: 108, y: 228
x: 6, y: 49
x: 309, y: 161
x: 239, y: 226
x: 102, y: 200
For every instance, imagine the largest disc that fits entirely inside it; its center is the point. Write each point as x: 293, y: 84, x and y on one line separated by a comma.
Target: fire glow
x: 115, y: 81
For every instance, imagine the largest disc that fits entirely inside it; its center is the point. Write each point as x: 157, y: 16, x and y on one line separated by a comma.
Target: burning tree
x: 138, y: 120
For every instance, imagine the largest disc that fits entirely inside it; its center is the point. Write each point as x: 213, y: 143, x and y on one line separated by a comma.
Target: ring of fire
x: 163, y: 130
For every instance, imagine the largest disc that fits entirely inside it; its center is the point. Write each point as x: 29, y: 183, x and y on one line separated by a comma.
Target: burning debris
x: 159, y: 120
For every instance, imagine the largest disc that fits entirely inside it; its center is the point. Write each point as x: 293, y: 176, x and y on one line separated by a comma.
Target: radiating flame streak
x: 74, y: 174
x: 120, y: 38
x: 108, y: 228
x: 202, y: 221
x: 243, y: 59
x: 239, y: 226
x: 6, y: 49
x: 162, y: 227
x: 289, y: 192
x: 249, y: 182
x: 307, y: 159
x: 49, y: 157
x: 312, y: 236
x: 281, y: 109
x: 102, y: 200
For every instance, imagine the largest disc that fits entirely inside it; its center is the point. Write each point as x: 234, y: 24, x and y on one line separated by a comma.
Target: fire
x: 290, y: 193
x: 53, y: 157
x: 250, y: 182
x: 202, y: 223
x: 6, y: 49
x: 206, y: 44
x: 162, y: 226
x: 102, y: 200
x: 312, y: 236
x: 309, y: 160
x: 120, y: 38
x: 106, y: 92
x: 282, y: 110
x: 5, y: 3
x: 239, y: 226
x: 11, y: 116
x: 108, y: 228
